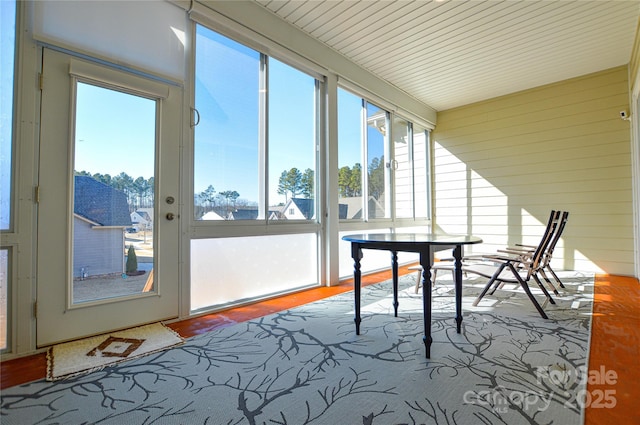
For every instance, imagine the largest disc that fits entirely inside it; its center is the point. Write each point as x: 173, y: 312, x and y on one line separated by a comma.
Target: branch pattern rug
x: 307, y: 366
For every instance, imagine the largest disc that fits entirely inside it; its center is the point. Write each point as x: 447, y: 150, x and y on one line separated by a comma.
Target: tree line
x: 350, y: 179
x: 292, y: 183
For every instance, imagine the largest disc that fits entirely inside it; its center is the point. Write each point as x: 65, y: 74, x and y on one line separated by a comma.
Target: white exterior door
x: 108, y: 232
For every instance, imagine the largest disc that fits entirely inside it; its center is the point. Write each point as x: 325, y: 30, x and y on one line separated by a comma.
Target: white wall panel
x: 503, y: 164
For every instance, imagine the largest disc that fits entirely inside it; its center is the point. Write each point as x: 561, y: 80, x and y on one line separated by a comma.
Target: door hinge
x: 36, y: 194
x: 40, y: 81
x: 35, y: 309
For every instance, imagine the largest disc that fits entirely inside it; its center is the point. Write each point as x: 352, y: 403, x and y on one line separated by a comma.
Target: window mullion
x: 389, y: 167
x: 365, y: 163
x: 263, y: 135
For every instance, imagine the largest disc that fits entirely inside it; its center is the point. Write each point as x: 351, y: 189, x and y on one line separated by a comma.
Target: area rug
x: 307, y: 366
x: 94, y: 353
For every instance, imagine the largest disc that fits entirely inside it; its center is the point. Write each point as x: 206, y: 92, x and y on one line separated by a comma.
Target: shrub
x: 132, y: 260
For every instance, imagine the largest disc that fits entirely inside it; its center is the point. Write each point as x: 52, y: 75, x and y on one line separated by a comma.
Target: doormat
x: 91, y: 354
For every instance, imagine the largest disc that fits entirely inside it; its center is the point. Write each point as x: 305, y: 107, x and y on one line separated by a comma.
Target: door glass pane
x: 226, y: 151
x: 7, y: 49
x: 113, y: 205
x: 292, y: 142
x: 376, y: 170
x: 403, y: 180
x: 350, y: 156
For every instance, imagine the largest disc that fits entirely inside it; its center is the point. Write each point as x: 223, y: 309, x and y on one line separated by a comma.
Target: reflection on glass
x: 349, y: 156
x: 114, y: 164
x: 4, y: 291
x: 378, y: 176
x: 226, y: 147
x: 292, y: 141
x: 7, y: 49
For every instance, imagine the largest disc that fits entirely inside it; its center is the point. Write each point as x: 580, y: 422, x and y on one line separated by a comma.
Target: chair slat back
x: 552, y: 225
x: 556, y: 236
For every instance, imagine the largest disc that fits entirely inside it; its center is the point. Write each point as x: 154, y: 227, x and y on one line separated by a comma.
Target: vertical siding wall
x: 501, y: 166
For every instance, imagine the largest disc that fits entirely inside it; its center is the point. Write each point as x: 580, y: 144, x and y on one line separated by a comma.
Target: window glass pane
x: 292, y: 141
x: 4, y: 291
x: 421, y: 171
x: 228, y: 270
x: 349, y: 156
x: 403, y: 181
x: 226, y: 151
x: 7, y: 50
x: 376, y: 171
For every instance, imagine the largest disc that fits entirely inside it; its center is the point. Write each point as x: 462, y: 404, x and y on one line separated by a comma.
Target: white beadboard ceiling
x: 452, y: 53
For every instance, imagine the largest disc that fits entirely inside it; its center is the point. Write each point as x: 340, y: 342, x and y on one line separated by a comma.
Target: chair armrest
x: 525, y: 254
x: 503, y: 258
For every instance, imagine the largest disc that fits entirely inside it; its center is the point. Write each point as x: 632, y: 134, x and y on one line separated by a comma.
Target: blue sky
x: 115, y: 132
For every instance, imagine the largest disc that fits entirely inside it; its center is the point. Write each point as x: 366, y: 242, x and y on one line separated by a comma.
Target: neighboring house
x: 100, y: 215
x: 299, y: 209
x: 142, y: 218
x: 212, y: 215
x: 343, y: 209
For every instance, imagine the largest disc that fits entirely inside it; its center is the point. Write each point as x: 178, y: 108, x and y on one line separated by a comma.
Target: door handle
x: 170, y: 216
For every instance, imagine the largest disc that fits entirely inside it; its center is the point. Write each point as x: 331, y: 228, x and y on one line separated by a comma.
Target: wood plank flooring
x: 615, y: 343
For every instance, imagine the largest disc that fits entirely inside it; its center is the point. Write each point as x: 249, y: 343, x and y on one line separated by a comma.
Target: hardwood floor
x: 615, y: 343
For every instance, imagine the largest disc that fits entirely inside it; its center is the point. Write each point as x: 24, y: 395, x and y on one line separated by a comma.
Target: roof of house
x: 100, y: 203
x: 145, y: 213
x: 244, y: 214
x: 306, y: 207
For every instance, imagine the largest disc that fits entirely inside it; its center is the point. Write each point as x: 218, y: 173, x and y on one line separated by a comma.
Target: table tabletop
x: 413, y: 238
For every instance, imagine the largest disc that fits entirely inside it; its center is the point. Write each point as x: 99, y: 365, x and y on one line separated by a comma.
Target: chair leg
x: 498, y: 285
x: 418, y: 280
x: 555, y: 276
x: 549, y: 283
x: 489, y: 284
x: 544, y: 290
x: 529, y: 294
x: 434, y: 272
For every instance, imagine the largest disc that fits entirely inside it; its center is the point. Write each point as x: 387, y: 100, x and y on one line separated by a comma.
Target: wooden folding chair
x: 523, y: 264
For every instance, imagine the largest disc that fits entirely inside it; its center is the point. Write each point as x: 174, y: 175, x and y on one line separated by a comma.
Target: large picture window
x: 256, y: 142
x: 255, y: 166
x: 395, y: 151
